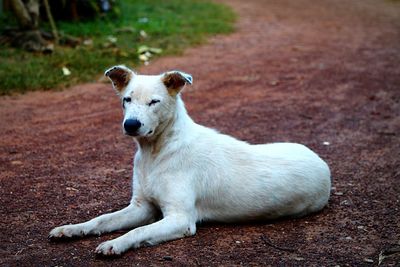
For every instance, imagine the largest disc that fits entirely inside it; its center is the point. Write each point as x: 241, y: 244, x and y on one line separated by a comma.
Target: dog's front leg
x: 136, y: 214
x: 171, y: 227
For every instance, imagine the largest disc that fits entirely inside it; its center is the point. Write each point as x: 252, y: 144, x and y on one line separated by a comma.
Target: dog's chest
x: 149, y: 178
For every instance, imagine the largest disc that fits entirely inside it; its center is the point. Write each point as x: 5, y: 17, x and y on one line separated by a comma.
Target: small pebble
x: 345, y: 202
x: 274, y: 82
x: 369, y: 260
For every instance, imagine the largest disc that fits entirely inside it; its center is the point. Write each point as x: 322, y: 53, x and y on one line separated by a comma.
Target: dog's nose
x: 131, y: 126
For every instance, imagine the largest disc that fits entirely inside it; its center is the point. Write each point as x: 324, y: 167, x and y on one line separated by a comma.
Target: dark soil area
x: 322, y: 73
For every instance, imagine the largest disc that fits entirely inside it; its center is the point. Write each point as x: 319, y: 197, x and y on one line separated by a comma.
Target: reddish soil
x: 301, y: 71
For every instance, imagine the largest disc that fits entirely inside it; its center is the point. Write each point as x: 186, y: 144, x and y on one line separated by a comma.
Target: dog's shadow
x: 205, y: 225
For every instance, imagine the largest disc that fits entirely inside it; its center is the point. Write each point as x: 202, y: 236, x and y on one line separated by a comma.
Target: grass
x: 170, y: 25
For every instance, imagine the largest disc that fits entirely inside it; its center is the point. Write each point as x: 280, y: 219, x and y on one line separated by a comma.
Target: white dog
x: 189, y: 173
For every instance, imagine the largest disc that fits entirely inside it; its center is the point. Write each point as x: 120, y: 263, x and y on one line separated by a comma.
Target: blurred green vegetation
x: 170, y: 25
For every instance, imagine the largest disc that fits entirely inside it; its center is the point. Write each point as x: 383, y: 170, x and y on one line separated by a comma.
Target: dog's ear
x: 120, y: 77
x: 175, y: 81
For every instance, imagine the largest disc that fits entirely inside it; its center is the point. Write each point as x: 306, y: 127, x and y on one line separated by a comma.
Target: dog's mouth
x: 133, y: 134
x: 136, y: 134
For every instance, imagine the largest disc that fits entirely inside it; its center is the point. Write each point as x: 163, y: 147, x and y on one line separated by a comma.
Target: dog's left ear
x: 120, y: 77
x: 175, y: 81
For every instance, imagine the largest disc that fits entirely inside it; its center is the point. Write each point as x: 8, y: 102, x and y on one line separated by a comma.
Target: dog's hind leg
x: 171, y: 227
x: 136, y: 214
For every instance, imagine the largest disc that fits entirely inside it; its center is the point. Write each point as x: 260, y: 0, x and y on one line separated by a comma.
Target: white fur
x: 192, y: 173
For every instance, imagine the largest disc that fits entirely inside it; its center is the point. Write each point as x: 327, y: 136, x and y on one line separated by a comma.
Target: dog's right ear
x: 120, y: 77
x: 175, y: 80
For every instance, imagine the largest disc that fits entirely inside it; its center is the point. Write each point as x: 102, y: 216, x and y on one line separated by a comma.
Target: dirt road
x: 323, y: 73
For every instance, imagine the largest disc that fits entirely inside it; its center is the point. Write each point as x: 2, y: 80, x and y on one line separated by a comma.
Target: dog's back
x: 238, y: 181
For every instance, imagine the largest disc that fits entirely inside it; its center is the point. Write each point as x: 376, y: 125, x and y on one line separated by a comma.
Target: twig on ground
x: 51, y: 20
x: 269, y: 243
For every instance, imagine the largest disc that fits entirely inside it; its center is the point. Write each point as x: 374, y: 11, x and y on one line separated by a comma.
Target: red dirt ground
x: 301, y: 71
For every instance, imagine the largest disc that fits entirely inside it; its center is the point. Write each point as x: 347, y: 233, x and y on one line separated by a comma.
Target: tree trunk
x: 33, y: 9
x: 23, y: 17
x: 28, y: 37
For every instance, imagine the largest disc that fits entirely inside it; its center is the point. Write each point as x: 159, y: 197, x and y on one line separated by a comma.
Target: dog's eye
x: 154, y: 101
x: 127, y: 99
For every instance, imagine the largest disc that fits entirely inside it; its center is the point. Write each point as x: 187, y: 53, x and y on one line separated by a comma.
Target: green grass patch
x: 170, y: 25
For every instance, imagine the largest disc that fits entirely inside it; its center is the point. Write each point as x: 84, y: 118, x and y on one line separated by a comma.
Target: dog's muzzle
x: 131, y: 127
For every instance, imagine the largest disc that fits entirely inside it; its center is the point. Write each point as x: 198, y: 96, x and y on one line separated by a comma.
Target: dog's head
x: 148, y: 101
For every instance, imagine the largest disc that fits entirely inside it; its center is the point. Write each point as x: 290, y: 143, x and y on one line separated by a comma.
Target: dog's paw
x: 65, y: 231
x: 110, y: 248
